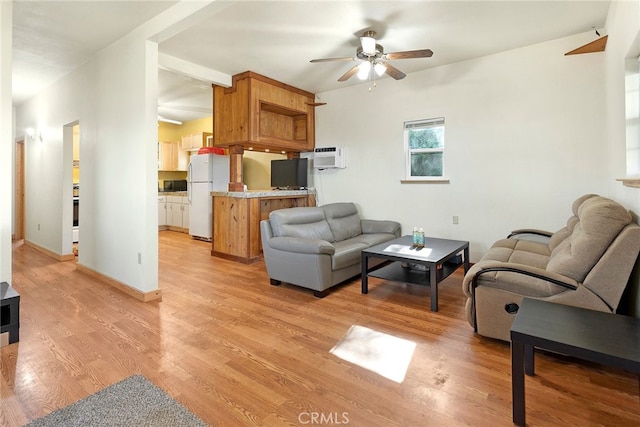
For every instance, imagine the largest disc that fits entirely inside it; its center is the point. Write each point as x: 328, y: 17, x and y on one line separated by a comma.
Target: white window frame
x: 425, y: 123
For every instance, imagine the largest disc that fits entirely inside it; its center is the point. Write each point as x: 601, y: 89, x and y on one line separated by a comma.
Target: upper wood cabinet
x: 261, y: 113
x: 170, y: 157
x: 195, y: 141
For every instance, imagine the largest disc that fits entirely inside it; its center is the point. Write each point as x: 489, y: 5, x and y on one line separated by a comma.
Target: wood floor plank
x: 239, y: 352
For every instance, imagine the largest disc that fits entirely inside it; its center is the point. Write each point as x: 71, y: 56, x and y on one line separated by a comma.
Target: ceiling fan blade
x: 346, y: 76
x: 409, y: 54
x: 394, y: 72
x: 346, y: 58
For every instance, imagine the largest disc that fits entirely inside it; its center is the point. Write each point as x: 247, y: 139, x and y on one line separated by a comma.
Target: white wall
x: 6, y: 140
x: 525, y: 136
x: 114, y: 98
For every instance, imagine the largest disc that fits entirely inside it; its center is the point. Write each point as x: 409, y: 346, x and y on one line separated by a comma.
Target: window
x: 632, y: 110
x: 424, y: 150
x: 632, y: 107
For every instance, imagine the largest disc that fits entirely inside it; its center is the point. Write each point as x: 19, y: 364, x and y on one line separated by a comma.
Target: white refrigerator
x: 206, y: 173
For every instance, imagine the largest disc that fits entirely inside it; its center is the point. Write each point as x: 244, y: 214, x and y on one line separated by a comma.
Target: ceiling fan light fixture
x: 380, y: 69
x: 368, y: 45
x: 363, y: 70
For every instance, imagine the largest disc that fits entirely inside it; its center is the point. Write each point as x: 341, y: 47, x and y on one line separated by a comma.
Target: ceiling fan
x: 373, y: 60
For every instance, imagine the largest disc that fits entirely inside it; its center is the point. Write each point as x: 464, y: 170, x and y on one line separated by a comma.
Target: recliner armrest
x: 380, y: 226
x: 535, y: 231
x: 526, y: 270
x: 301, y: 245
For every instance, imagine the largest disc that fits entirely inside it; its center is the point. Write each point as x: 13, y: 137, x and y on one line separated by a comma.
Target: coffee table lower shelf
x: 395, y: 272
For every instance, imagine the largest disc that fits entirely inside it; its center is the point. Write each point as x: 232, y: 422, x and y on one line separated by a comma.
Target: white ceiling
x: 279, y: 38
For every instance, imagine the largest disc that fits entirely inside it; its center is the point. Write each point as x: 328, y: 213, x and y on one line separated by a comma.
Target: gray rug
x: 134, y: 401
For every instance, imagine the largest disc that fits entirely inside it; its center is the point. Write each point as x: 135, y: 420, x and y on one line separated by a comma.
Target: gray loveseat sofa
x: 586, y: 264
x: 319, y: 247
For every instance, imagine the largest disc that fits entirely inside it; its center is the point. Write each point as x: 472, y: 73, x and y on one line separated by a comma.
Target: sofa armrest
x: 538, y: 273
x: 370, y: 226
x: 301, y: 245
x: 535, y: 231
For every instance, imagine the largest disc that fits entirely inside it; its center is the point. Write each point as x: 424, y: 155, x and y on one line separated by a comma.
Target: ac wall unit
x: 329, y: 157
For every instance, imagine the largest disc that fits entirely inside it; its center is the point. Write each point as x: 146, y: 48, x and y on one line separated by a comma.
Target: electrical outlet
x: 455, y: 219
x: 139, y: 258
x: 38, y: 227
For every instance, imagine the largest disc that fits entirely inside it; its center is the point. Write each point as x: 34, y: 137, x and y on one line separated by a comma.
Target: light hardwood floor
x: 239, y: 352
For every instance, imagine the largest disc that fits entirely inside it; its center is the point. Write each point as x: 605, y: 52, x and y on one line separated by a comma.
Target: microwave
x: 174, y: 185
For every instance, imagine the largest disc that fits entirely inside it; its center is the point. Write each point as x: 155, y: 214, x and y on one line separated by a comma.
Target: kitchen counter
x: 263, y: 193
x: 172, y: 193
x: 237, y: 216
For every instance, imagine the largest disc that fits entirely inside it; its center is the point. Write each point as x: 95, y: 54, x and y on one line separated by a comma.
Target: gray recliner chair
x: 586, y: 264
x: 319, y: 247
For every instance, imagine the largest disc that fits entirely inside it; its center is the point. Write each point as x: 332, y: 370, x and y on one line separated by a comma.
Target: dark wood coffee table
x: 440, y: 257
x: 595, y: 336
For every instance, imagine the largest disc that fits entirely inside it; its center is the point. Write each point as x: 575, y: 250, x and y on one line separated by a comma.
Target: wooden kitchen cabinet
x: 167, y: 156
x: 237, y: 216
x: 171, y: 157
x: 260, y: 113
x: 195, y: 141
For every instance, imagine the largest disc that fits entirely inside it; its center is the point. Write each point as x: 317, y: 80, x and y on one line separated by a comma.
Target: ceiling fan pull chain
x: 372, y: 79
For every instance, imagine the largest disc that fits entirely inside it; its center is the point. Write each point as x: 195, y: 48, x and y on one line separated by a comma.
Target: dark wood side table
x: 595, y: 336
x: 9, y: 312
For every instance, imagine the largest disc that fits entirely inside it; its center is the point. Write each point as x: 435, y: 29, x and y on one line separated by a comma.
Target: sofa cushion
x: 559, y: 236
x: 305, y: 222
x: 601, y: 220
x: 518, y: 251
x: 372, y: 239
x: 348, y: 253
x: 523, y: 245
x: 343, y: 219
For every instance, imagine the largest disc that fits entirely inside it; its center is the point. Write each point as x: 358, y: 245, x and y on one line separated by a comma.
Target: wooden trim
x: 630, y: 182
x: 256, y: 76
x: 176, y: 229
x: 137, y: 294
x: 425, y: 181
x: 213, y: 115
x: 236, y: 258
x: 50, y: 253
x: 598, y: 45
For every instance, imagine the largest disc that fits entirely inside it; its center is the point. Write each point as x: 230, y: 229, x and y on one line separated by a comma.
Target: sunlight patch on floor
x: 381, y: 353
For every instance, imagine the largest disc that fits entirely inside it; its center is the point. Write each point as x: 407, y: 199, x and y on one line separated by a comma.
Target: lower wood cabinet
x: 236, y: 221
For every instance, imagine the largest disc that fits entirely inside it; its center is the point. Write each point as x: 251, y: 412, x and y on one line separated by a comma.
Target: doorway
x: 76, y: 187
x: 19, y: 214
